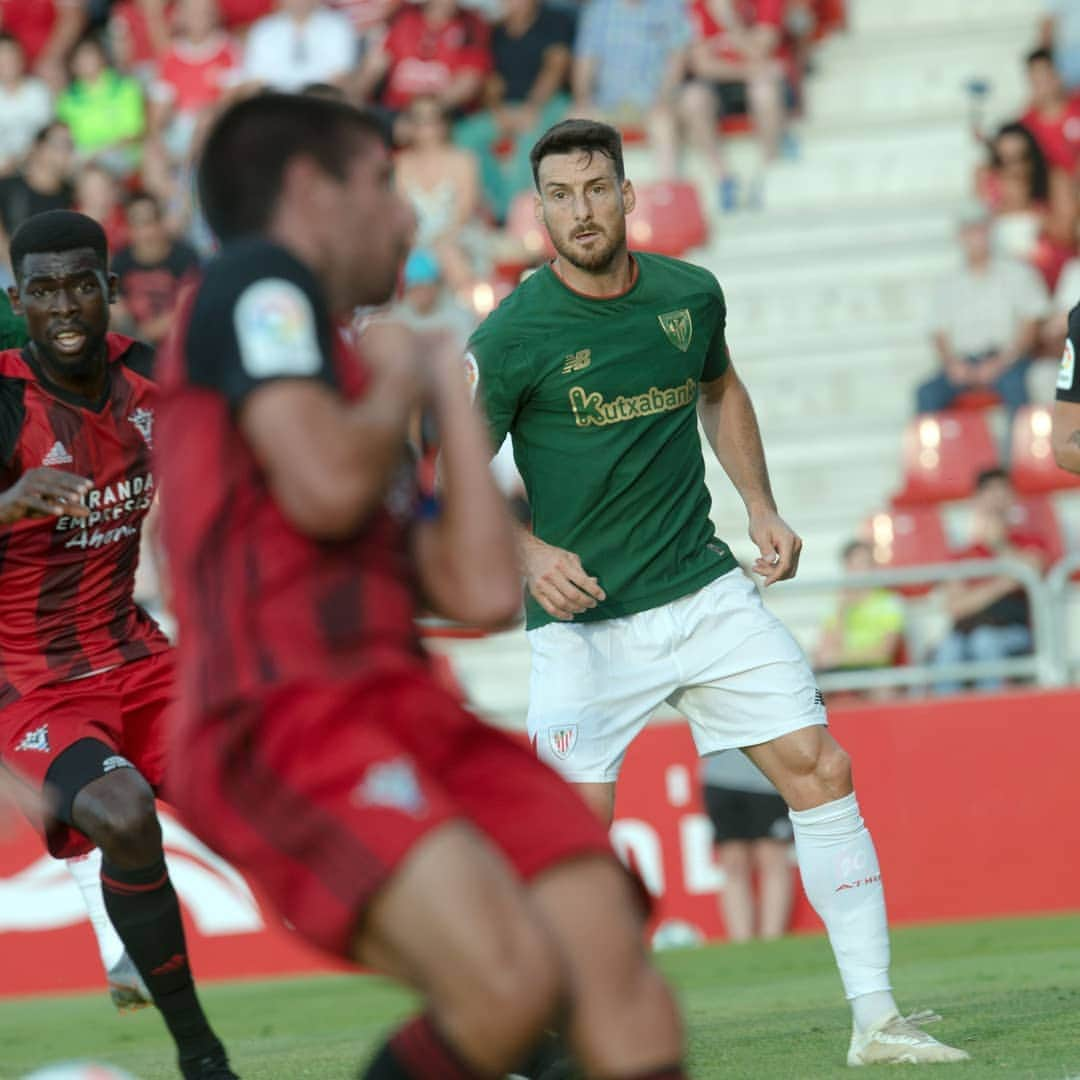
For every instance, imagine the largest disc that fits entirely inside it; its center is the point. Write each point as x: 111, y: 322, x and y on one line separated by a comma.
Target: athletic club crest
x: 562, y: 740
x: 38, y: 739
x: 679, y: 328
x: 143, y: 419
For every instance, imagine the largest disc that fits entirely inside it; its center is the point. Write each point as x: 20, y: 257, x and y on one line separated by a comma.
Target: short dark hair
x: 988, y: 476
x: 1038, y: 56
x: 141, y: 196
x: 7, y: 38
x: 588, y: 136
x: 55, y: 231
x: 243, y: 160
x: 43, y: 133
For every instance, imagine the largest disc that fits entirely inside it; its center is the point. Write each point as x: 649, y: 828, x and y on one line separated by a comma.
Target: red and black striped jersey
x: 66, y: 584
x: 258, y: 602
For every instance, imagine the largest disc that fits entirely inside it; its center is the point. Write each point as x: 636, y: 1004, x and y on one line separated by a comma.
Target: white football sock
x: 842, y: 880
x: 86, y: 870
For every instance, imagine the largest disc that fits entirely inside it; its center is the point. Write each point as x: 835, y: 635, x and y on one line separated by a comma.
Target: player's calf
x: 101, y: 795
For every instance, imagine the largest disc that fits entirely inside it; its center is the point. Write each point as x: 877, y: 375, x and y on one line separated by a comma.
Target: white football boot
x: 126, y: 988
x: 897, y: 1040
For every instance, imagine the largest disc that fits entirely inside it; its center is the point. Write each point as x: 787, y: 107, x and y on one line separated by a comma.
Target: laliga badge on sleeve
x: 275, y: 329
x: 1068, y: 366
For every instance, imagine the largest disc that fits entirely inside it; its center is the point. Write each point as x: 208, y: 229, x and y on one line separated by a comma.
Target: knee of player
x: 834, y: 770
x: 524, y: 990
x: 122, y: 820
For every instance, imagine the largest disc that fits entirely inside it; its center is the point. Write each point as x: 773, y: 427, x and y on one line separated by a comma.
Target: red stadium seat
x: 908, y: 536
x: 976, y: 399
x: 1033, y: 467
x: 943, y: 453
x: 1035, y: 515
x: 668, y: 219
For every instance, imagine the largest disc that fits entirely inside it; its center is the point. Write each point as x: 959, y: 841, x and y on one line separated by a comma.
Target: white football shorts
x: 718, y: 656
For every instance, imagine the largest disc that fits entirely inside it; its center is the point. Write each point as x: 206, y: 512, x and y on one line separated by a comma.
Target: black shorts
x: 746, y: 815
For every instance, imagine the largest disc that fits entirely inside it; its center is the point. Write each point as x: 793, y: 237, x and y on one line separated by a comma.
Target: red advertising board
x: 973, y: 804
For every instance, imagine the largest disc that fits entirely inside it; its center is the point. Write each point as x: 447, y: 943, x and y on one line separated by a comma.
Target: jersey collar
x: 635, y: 275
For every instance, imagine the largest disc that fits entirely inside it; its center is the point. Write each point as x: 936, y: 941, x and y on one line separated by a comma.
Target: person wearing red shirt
x: 47, y: 30
x: 431, y: 50
x: 739, y: 59
x: 200, y: 65
x: 991, y: 618
x: 1053, y: 115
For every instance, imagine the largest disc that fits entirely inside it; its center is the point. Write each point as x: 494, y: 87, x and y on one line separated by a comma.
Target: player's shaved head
x: 577, y: 136
x: 57, y: 231
x: 243, y: 162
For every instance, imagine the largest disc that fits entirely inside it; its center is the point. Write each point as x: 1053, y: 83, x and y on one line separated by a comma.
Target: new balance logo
x: 58, y: 455
x: 38, y: 739
x: 171, y: 966
x: 577, y: 361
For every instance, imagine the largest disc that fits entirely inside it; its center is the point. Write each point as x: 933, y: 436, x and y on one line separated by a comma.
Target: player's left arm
x: 1065, y: 437
x: 727, y: 415
x: 465, y: 554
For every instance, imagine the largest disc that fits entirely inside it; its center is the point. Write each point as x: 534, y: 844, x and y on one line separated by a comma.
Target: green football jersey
x: 600, y: 400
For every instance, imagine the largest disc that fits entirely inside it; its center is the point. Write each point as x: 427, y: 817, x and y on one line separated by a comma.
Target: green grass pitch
x: 1009, y: 991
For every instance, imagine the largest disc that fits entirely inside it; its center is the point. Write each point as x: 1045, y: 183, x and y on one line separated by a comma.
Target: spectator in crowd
x: 442, y: 183
x: 98, y: 195
x: 1053, y: 114
x: 753, y: 838
x: 152, y: 269
x: 47, y: 30
x: 138, y: 34
x: 426, y: 305
x: 737, y: 62
x: 991, y: 619
x: 303, y: 42
x: 1034, y: 205
x: 1061, y: 34
x: 103, y: 108
x: 1066, y: 297
x: 433, y: 50
x: 25, y: 104
x: 867, y: 628
x: 370, y: 18
x: 986, y: 322
x: 43, y: 183
x: 524, y: 94
x: 201, y: 63
x: 629, y: 65
x: 13, y: 333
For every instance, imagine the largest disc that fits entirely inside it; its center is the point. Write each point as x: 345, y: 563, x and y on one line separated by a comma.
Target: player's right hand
x: 44, y: 493
x: 558, y: 581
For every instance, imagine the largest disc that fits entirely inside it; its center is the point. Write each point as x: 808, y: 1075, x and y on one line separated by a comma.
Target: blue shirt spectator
x: 628, y: 47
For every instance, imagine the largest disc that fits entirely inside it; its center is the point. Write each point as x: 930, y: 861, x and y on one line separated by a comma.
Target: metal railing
x: 1045, y: 664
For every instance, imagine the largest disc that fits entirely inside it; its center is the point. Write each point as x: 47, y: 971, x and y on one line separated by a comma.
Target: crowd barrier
x: 971, y: 801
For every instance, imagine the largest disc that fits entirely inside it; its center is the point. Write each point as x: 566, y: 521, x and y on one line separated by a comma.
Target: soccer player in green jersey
x: 599, y: 367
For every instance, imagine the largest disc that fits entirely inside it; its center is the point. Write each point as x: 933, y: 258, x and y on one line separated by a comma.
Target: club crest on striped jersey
x: 562, y: 740
x: 143, y: 419
x: 679, y: 328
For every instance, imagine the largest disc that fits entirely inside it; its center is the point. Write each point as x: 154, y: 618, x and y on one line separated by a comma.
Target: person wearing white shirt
x: 985, y: 323
x: 303, y: 42
x: 25, y: 104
